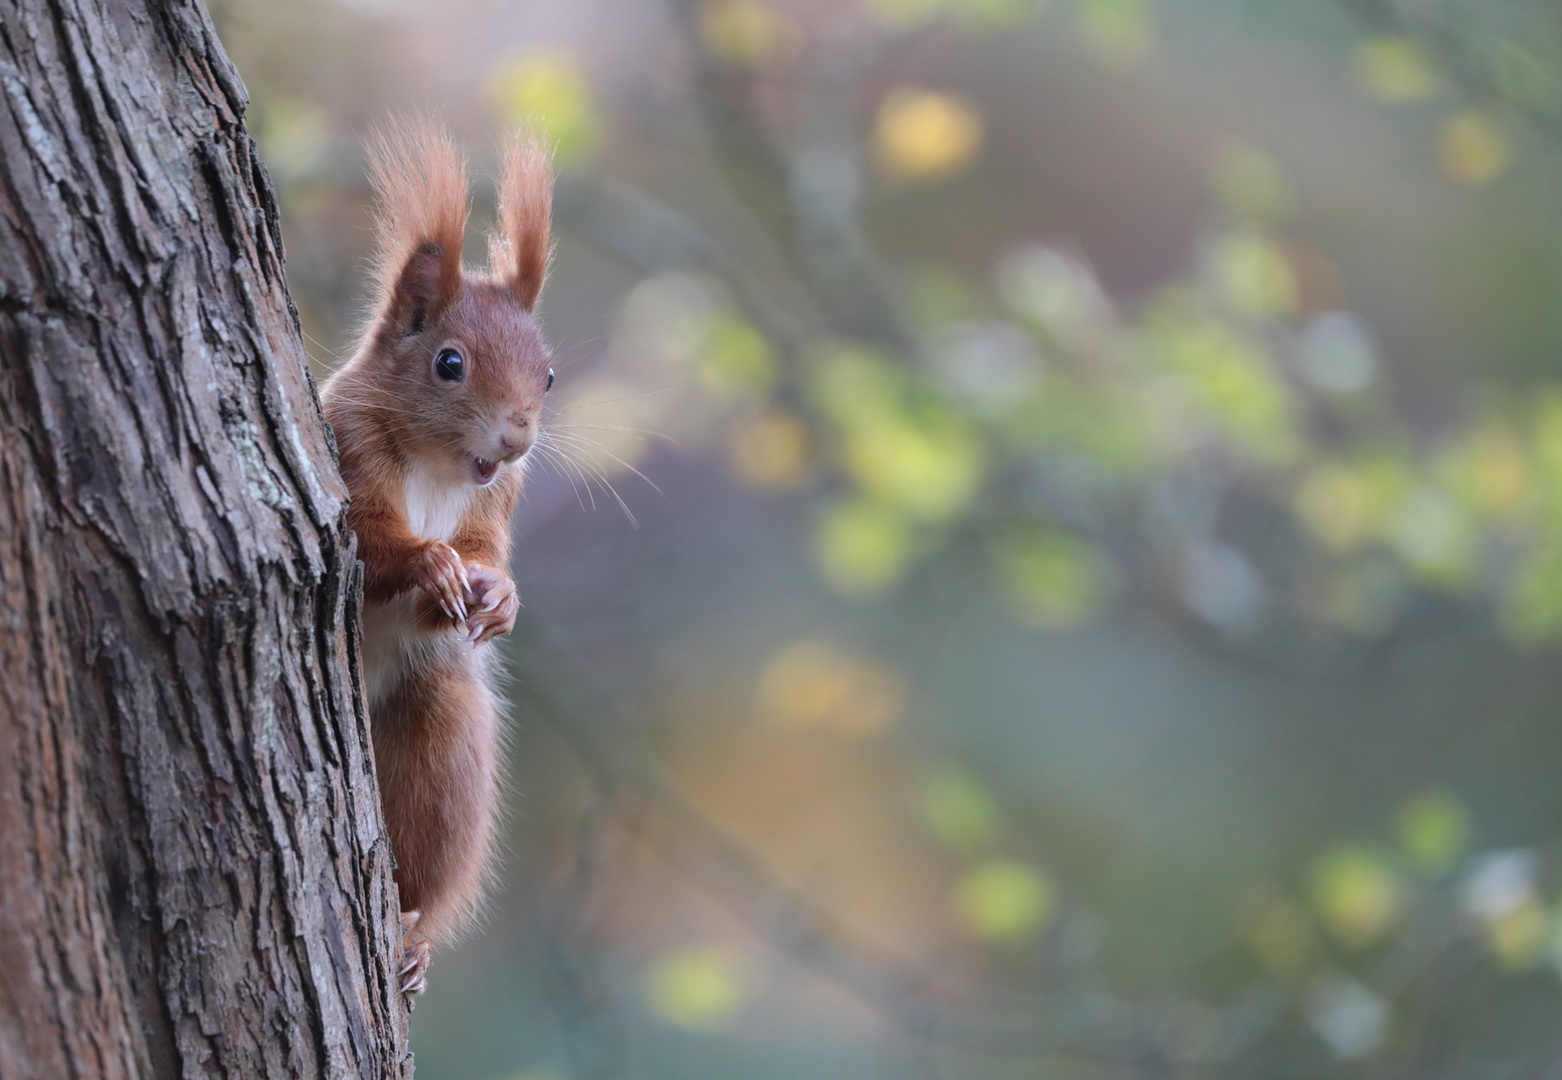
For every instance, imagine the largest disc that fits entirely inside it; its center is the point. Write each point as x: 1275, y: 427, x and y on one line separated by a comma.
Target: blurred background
x: 1048, y: 560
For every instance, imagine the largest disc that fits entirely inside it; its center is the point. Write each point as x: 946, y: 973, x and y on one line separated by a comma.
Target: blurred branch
x: 626, y: 778
x: 808, y: 198
x: 1461, y: 55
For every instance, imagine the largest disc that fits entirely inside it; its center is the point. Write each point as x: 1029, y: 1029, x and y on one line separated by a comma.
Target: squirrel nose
x: 514, y: 442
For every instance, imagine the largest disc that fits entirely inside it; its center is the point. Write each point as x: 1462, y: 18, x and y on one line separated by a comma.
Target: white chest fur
x: 435, y: 504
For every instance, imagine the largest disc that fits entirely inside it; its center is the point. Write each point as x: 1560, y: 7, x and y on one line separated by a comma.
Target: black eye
x: 550, y: 381
x: 449, y: 366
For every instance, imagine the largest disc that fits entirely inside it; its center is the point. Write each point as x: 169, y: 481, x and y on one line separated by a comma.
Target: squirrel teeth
x: 483, y: 470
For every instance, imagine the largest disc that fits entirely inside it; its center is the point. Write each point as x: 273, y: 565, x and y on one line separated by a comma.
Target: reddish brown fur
x: 518, y: 251
x: 413, y: 447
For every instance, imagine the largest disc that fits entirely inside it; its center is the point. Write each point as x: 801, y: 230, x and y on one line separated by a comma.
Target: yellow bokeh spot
x: 930, y: 471
x: 769, y: 452
x: 1051, y: 579
x: 547, y: 89
x: 1004, y: 900
x: 1357, y: 894
x: 1254, y: 275
x: 862, y: 548
x: 809, y: 685
x: 1519, y: 937
x: 1120, y: 32
x: 1472, y: 149
x: 924, y: 135
x: 1434, y: 831
x: 1338, y: 506
x: 700, y: 989
x: 745, y: 33
x: 1491, y: 471
x: 1395, y: 70
x: 959, y: 811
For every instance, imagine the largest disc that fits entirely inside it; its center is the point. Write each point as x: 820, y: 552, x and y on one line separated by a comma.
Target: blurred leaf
x: 1433, y: 534
x: 930, y: 470
x: 736, y: 363
x: 1472, y: 149
x: 746, y: 33
x: 925, y: 135
x: 1358, y: 896
x: 769, y: 451
x: 1346, y: 504
x: 1395, y: 70
x: 959, y: 811
x: 1254, y: 276
x: 1488, y: 470
x: 548, y: 89
x: 1500, y: 892
x: 901, y: 445
x: 1051, y: 579
x: 1059, y: 293
x: 863, y: 547
x: 1004, y: 900
x: 1120, y: 32
x: 1231, y: 379
x: 1519, y: 938
x: 1434, y: 831
x: 699, y: 989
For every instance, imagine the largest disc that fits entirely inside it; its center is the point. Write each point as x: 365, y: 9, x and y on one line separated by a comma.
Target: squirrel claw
x: 493, y: 603
x: 441, y: 575
x: 415, y: 957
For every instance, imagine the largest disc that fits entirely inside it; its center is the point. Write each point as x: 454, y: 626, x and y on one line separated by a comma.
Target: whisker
x: 581, y: 441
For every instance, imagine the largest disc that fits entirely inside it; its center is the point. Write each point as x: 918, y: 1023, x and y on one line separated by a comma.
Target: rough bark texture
x: 194, y: 877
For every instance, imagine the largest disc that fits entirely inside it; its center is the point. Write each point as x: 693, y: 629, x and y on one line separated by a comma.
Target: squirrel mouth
x: 483, y: 470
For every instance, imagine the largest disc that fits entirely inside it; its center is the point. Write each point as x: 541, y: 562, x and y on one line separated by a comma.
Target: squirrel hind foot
x: 415, y: 956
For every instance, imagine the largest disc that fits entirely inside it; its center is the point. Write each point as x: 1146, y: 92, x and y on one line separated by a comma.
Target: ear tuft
x: 421, y: 197
x: 518, y: 253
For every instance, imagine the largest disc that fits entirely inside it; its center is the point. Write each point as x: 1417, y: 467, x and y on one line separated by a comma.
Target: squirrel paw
x: 414, y: 958
x: 442, y: 576
x: 493, y: 603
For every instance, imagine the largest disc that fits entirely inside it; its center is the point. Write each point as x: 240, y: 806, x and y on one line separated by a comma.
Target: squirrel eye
x: 449, y: 366
x: 550, y: 381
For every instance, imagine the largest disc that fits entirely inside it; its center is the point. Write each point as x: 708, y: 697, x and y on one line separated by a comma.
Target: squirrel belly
x: 434, y: 414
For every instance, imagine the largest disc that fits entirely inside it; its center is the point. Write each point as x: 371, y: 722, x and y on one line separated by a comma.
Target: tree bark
x: 194, y: 876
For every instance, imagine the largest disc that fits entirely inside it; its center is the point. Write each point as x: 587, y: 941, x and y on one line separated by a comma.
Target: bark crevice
x: 194, y: 875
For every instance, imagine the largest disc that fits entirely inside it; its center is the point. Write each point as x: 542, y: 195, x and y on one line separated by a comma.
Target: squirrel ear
x: 420, y: 217
x: 518, y: 253
x: 419, y: 294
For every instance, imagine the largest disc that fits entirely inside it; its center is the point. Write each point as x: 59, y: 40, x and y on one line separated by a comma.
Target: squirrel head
x: 460, y: 362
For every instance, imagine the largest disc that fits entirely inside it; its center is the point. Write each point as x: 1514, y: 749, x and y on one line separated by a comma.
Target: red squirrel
x: 433, y: 415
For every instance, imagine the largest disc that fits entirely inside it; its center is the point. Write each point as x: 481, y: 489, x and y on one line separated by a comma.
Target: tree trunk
x: 194, y: 876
